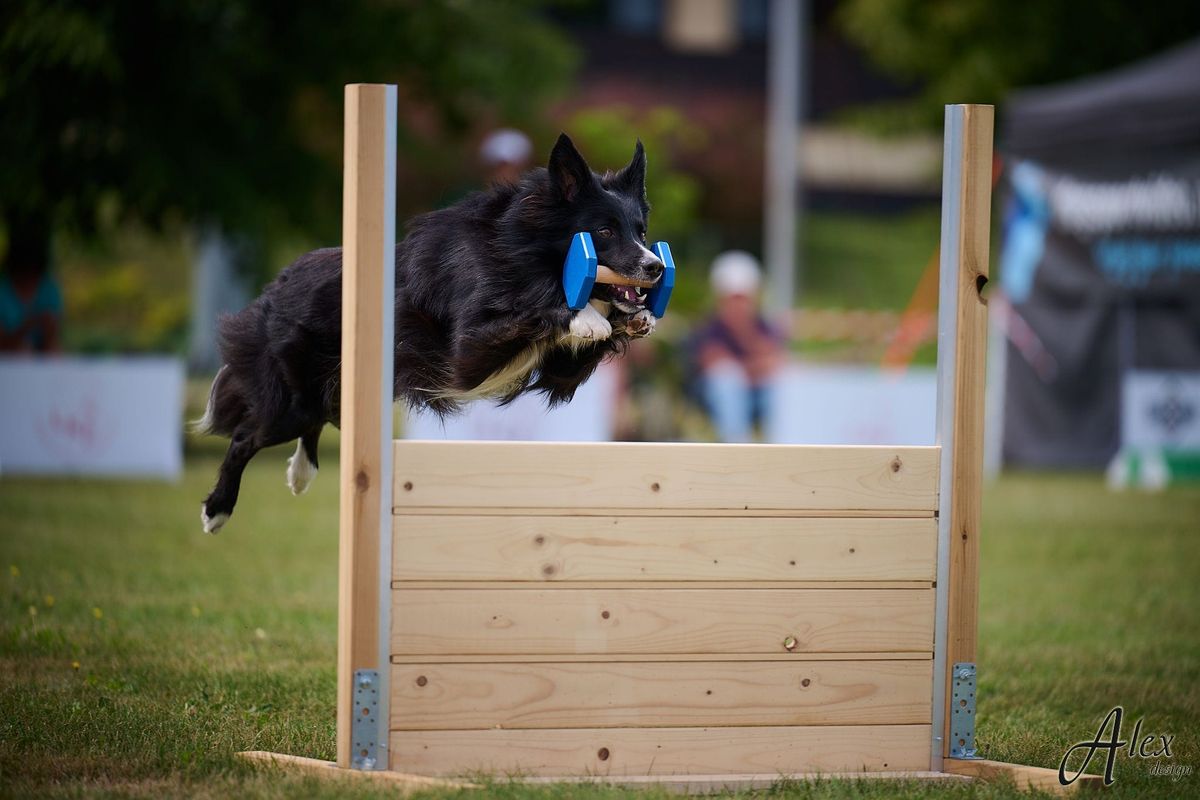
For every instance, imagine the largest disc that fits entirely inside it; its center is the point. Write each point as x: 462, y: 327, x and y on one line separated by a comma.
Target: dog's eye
x: 642, y: 236
x: 605, y: 233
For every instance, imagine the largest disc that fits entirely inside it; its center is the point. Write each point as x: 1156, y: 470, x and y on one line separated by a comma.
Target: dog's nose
x: 652, y: 266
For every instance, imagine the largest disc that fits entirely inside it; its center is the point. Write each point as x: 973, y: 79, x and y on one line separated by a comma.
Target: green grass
x: 138, y: 654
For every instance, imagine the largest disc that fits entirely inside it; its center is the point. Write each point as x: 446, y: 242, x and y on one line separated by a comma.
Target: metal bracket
x: 364, y: 729
x: 962, y: 711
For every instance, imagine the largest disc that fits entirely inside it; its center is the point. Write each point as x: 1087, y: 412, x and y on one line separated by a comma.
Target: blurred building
x: 708, y: 58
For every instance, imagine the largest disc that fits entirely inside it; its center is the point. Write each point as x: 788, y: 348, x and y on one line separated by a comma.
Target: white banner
x: 853, y: 405
x: 1161, y: 410
x: 91, y: 416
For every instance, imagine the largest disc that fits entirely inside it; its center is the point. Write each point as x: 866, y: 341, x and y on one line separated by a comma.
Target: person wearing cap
x: 505, y: 154
x: 737, y: 352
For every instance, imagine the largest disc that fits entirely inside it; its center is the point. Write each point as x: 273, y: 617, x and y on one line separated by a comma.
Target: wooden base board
x: 1040, y: 778
x: 955, y: 769
x: 406, y: 784
x: 711, y: 784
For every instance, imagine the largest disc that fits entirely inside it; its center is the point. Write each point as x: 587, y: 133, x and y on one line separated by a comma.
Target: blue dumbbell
x: 582, y: 271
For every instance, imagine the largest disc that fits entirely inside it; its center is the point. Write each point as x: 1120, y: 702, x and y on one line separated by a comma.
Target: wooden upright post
x: 962, y: 346
x: 368, y: 276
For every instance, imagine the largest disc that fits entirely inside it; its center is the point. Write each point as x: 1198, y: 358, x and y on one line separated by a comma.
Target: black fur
x: 476, y: 284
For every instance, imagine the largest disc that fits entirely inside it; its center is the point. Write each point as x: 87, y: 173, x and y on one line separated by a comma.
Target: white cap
x: 735, y: 272
x: 505, y: 146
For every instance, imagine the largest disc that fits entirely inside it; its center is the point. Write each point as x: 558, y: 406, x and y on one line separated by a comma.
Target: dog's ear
x: 632, y: 179
x: 569, y: 173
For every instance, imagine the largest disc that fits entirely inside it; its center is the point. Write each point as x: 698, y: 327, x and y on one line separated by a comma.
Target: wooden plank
x: 726, y: 784
x: 528, y: 621
x: 971, y: 251
x: 1039, y: 778
x: 403, y: 783
x: 368, y: 230
x: 635, y: 475
x: 739, y: 513
x: 559, y: 549
x: 451, y: 696
x: 455, y: 585
x: 674, y: 658
x: 663, y: 751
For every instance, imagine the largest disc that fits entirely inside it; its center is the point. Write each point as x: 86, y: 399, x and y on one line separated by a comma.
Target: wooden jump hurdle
x: 704, y: 615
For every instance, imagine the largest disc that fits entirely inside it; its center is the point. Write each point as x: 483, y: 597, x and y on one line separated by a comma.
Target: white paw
x: 589, y: 325
x: 641, y: 324
x: 300, y: 471
x: 212, y: 524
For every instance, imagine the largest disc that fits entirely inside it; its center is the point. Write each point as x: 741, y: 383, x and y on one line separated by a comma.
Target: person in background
x: 737, y: 352
x: 30, y: 305
x: 505, y: 154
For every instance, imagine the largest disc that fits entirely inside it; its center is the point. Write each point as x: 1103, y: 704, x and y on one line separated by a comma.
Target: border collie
x: 480, y: 313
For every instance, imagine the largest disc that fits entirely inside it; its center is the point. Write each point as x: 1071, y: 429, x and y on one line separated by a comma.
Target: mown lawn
x: 137, y: 655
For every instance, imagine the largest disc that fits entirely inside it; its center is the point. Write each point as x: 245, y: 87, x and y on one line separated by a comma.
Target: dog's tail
x: 208, y: 423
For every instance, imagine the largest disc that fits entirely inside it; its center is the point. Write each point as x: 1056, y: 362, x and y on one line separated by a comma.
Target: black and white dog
x: 480, y: 312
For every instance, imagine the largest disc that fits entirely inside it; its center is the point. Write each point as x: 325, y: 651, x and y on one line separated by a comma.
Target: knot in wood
x: 980, y: 283
x: 362, y: 481
x: 896, y: 464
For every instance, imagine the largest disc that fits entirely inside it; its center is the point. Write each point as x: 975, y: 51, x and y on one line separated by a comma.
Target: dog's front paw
x: 641, y: 324
x: 589, y: 325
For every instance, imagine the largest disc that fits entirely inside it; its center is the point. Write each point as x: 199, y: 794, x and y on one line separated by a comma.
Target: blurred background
x: 165, y: 160
x: 162, y: 160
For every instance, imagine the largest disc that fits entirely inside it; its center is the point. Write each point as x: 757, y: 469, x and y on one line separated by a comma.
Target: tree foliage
x: 976, y: 51
x: 230, y: 112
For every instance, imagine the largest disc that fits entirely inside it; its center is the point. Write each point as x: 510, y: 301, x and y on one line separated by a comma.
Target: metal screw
x: 364, y: 681
x: 963, y: 673
x: 790, y: 643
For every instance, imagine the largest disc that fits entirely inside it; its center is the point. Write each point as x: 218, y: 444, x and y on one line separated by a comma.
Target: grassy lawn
x: 137, y: 654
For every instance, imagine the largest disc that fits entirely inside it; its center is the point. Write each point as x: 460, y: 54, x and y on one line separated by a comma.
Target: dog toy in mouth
x: 582, y: 271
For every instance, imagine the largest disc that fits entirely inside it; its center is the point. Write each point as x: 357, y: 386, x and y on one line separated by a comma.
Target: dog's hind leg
x: 302, y: 466
x: 218, y: 506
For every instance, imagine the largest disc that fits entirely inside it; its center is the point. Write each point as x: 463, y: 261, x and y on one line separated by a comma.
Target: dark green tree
x: 230, y: 112
x: 976, y: 51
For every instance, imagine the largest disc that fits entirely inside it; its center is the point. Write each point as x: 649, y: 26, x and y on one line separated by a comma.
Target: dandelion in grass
x: 75, y: 665
x: 33, y: 612
x: 97, y: 613
x: 195, y: 611
x: 14, y: 570
x: 48, y: 600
